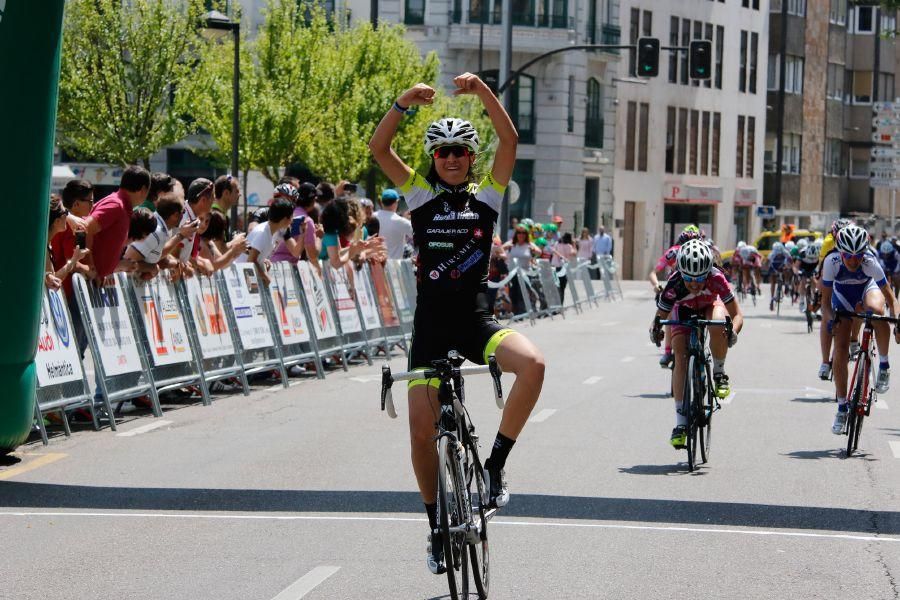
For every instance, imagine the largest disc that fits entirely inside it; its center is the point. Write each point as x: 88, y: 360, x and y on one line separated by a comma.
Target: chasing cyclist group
x: 843, y: 272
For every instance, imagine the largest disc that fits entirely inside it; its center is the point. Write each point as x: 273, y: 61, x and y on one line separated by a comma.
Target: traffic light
x: 701, y: 59
x: 648, y: 57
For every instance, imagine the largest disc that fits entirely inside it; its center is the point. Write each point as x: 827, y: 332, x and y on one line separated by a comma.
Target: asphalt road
x: 308, y: 492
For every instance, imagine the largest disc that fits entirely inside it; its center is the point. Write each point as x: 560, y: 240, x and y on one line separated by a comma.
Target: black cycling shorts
x: 439, y: 328
x: 808, y: 269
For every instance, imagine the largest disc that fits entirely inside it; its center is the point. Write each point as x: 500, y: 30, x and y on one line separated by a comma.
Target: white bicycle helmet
x: 811, y: 252
x: 789, y: 245
x: 852, y: 239
x: 802, y: 243
x: 286, y: 190
x: 451, y: 132
x: 741, y: 244
x: 695, y: 258
x: 886, y: 247
x: 777, y: 248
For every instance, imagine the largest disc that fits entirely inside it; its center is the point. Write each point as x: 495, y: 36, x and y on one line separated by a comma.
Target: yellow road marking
x: 31, y: 465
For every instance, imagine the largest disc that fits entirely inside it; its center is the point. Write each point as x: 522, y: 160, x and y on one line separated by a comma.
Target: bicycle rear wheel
x: 707, y: 405
x: 687, y: 408
x: 452, y: 514
x: 479, y: 551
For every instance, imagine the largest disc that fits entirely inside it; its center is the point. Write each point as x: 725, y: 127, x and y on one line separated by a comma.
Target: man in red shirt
x: 107, y: 226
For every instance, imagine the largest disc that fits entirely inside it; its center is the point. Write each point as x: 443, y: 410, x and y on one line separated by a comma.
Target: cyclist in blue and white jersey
x: 805, y: 267
x: 889, y: 259
x: 779, y: 260
x: 852, y: 280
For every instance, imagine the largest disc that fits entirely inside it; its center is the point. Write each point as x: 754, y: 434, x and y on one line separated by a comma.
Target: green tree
x: 312, y: 91
x: 121, y: 63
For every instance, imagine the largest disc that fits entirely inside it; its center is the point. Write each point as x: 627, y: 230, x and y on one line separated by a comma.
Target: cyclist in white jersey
x: 852, y: 280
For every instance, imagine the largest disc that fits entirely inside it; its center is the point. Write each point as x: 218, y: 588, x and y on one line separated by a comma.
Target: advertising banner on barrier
x: 209, y: 315
x: 314, y: 289
x: 246, y: 300
x: 111, y: 326
x: 366, y: 301
x: 395, y: 278
x: 385, y: 302
x: 346, y: 307
x: 57, y: 351
x: 292, y: 326
x: 163, y: 321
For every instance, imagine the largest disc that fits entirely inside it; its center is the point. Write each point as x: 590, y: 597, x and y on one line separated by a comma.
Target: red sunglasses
x: 457, y: 151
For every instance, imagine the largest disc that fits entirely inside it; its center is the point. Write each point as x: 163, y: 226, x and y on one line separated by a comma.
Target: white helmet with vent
x: 451, y: 132
x: 852, y: 239
x: 695, y: 258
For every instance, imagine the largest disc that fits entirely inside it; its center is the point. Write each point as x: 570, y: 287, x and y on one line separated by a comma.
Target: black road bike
x: 699, y: 400
x: 463, y: 514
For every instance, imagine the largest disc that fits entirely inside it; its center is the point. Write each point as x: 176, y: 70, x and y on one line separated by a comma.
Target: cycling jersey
x: 453, y: 232
x: 752, y: 262
x: 667, y: 260
x: 890, y: 263
x: 676, y: 292
x: 827, y: 247
x: 850, y: 287
x: 779, y: 259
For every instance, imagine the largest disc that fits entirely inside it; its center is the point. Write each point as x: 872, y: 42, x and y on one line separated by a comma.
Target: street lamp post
x: 218, y: 25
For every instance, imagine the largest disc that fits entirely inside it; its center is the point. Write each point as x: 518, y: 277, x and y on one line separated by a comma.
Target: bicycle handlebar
x: 388, y: 378
x: 694, y: 324
x: 864, y: 316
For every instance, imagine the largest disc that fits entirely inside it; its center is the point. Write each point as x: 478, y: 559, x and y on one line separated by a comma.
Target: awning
x: 684, y: 193
x: 62, y: 174
x: 745, y: 196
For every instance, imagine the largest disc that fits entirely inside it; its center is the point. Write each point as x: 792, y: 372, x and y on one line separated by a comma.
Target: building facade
x: 690, y: 151
x: 831, y: 49
x: 563, y: 107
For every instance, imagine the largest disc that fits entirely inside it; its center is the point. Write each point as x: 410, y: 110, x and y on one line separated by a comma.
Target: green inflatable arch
x: 30, y: 36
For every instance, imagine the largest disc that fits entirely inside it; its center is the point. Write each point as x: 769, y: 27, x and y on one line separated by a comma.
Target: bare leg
x: 423, y: 410
x: 517, y: 355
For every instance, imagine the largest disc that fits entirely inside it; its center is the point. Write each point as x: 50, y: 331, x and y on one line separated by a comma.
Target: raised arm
x: 508, y: 137
x: 380, y: 144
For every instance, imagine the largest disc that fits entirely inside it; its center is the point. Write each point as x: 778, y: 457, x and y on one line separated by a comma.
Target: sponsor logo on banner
x: 59, y: 319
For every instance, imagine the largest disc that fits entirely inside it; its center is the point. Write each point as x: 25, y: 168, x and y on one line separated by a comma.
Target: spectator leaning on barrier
x: 197, y: 209
x: 156, y: 248
x: 53, y: 275
x: 340, y: 220
x: 395, y: 230
x: 227, y: 190
x: 262, y: 241
x: 108, y: 224
x: 303, y: 230
x: 160, y: 183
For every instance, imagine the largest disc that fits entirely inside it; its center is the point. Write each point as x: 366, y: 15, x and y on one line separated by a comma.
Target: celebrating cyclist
x: 453, y: 220
x: 852, y: 280
x: 697, y: 289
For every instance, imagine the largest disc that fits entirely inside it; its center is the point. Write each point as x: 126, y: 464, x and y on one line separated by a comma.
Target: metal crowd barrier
x: 148, y: 336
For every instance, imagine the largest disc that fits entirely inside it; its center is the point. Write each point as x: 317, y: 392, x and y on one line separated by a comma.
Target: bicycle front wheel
x: 478, y: 549
x: 706, y: 406
x: 452, y: 514
x: 687, y: 408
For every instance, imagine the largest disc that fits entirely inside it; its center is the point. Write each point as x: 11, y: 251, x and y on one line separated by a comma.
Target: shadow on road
x: 663, y: 395
x: 21, y: 495
x: 660, y: 470
x: 830, y: 453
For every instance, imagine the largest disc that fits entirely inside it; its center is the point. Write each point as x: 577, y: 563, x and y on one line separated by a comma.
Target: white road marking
x: 366, y: 379
x: 881, y: 404
x: 592, y: 380
x: 542, y: 416
x: 144, y: 428
x: 626, y: 359
x: 307, y: 583
x: 895, y: 448
x: 818, y: 391
x: 240, y: 517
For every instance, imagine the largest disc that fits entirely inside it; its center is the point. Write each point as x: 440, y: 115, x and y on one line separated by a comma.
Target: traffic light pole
x: 515, y: 74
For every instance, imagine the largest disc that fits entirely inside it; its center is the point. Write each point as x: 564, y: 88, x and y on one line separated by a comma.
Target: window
x: 754, y: 50
x: 630, y: 128
x: 523, y: 104
x: 834, y: 88
x: 704, y: 144
x: 885, y: 87
x: 479, y: 11
x: 794, y: 7
x: 570, y: 118
x: 685, y: 41
x: 593, y: 122
x: 835, y: 158
x: 414, y: 13
x: 633, y: 36
x: 670, y: 139
x: 695, y: 132
x: 863, y: 19
x: 717, y: 131
x: 643, y: 133
x: 769, y: 153
x: 682, y: 139
x: 698, y: 34
x: 646, y: 24
x: 888, y: 23
x: 754, y: 4
x: 791, y: 153
x: 859, y: 162
x: 720, y: 48
x: 862, y: 87
x: 742, y: 84
x: 793, y: 67
x: 739, y: 161
x: 708, y: 35
x: 838, y: 12
x: 674, y: 22
x: 772, y: 73
x: 750, y: 154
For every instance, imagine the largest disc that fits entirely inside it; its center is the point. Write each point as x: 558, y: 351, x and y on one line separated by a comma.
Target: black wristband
x: 400, y: 109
